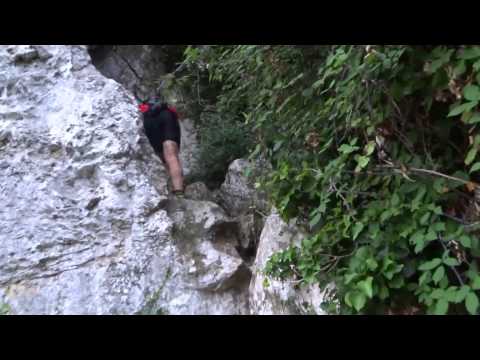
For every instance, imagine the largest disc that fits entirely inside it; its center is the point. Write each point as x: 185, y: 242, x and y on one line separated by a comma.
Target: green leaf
x: 277, y: 146
x: 430, y: 265
x: 471, y: 93
x: 439, y: 226
x: 358, y: 301
x: 418, y: 237
x: 395, y: 200
x: 363, y: 161
x: 431, y: 235
x: 438, y: 274
x: 476, y: 65
x: 347, y: 149
x: 370, y: 148
x: 441, y: 307
x: 372, y: 264
x: 476, y: 283
x: 465, y: 241
x: 397, y: 282
x: 349, y: 278
x: 307, y: 92
x: 419, y: 247
x: 470, y: 53
x: 451, y: 262
x: 462, y: 294
x: 444, y: 282
x: 450, y: 294
x: 383, y: 293
x: 317, y: 84
x: 366, y: 286
x: 471, y: 156
x: 471, y: 303
x: 460, y: 68
x: 357, y: 229
x: 315, y: 220
x: 437, y: 294
x: 425, y: 278
x: 475, y: 167
x: 462, y: 108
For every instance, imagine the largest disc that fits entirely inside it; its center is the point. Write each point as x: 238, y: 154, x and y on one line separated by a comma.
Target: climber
x: 161, y: 124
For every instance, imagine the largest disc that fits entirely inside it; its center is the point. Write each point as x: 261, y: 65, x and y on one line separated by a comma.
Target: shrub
x: 375, y: 152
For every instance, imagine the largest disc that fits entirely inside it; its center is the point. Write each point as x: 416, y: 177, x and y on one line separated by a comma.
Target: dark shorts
x: 162, y: 127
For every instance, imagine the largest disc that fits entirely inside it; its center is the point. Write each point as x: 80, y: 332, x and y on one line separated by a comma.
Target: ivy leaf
x: 471, y: 156
x: 476, y: 283
x: 451, y: 294
x: 437, y: 294
x: 370, y: 148
x: 425, y: 278
x: 431, y: 235
x: 397, y: 282
x: 430, y: 265
x: 347, y: 149
x: 465, y: 241
x: 355, y: 299
x: 315, y: 220
x: 357, y: 229
x: 462, y: 108
x: 372, y: 264
x: 470, y: 53
x: 358, y: 301
x: 349, y: 278
x: 471, y: 303
x: 462, y: 294
x: 366, y: 286
x: 363, y: 161
x: 475, y: 167
x: 439, y: 226
x: 419, y: 236
x: 476, y: 65
x: 424, y: 219
x: 277, y: 146
x: 395, y: 200
x: 438, y: 274
x: 317, y: 84
x: 383, y: 293
x: 419, y: 247
x: 441, y: 308
x: 451, y: 262
x: 460, y: 68
x: 471, y: 93
x: 307, y: 92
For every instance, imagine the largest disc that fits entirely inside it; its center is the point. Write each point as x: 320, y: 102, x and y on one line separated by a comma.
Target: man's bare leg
x: 174, y: 167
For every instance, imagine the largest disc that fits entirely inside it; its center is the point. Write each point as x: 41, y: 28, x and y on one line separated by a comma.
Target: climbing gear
x: 154, y: 107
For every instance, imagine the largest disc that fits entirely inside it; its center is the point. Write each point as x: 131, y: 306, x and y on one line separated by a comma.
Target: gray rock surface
x: 82, y: 226
x: 272, y: 297
x: 140, y: 69
x: 87, y: 226
x: 243, y: 202
x: 198, y: 191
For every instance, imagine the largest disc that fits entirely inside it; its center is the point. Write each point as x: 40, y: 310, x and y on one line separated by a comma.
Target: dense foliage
x: 374, y: 151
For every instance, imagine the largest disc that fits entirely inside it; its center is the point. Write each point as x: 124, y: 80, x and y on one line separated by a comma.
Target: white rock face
x: 86, y: 226
x: 83, y: 230
x: 272, y: 297
x: 241, y: 200
x: 139, y: 68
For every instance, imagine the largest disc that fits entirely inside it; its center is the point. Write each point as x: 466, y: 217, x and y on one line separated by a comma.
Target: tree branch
x: 451, y: 267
